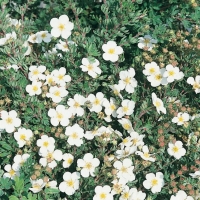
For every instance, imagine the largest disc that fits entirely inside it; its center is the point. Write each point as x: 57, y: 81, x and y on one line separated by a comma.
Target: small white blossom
x: 23, y: 136
x: 68, y: 160
x: 126, y: 109
x: 46, y: 143
x: 151, y: 69
x: 145, y: 154
x: 195, y: 83
x: 158, y: 104
x: 147, y: 42
x: 176, y: 149
x: 36, y: 72
x: 103, y: 193
x: 181, y: 118
x: 37, y: 185
x: 11, y: 171
x: 34, y: 88
x: 181, y: 195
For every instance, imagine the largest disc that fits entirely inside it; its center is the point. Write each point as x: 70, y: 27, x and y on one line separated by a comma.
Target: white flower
x: 126, y: 124
x: 124, y: 170
x: 154, y: 182
x: 88, y: 165
x: 34, y: 88
x: 176, y: 149
x: 75, y: 133
x: 61, y: 27
x: 60, y: 77
x: 57, y: 93
x: 68, y: 160
x: 105, y: 132
x: 137, y: 195
x: 51, y: 184
x: 172, y: 73
x: 19, y: 160
x: 26, y: 45
x: 64, y: 46
x: 103, y: 193
x: 181, y: 118
x: 147, y: 42
x: 70, y: 183
x: 96, y: 101
x: 60, y: 115
x: 9, y: 121
x: 2, y: 41
x: 32, y: 38
x: 91, y: 67
x: 49, y: 157
x: 151, y: 69
x: 127, y: 81
x: 195, y: 83
x: 195, y: 175
x: 157, y: 78
x: 46, y: 143
x: 112, y: 51
x: 125, y: 151
x: 49, y: 79
x: 23, y: 136
x: 37, y: 185
x: 145, y: 154
x: 158, y: 104
x: 36, y: 72
x: 11, y: 171
x: 76, y: 103
x: 126, y: 109
x: 15, y: 22
x: 43, y: 36
x: 110, y: 107
x: 136, y: 139
x: 116, y: 90
x: 117, y: 187
x: 89, y: 135
x: 181, y: 195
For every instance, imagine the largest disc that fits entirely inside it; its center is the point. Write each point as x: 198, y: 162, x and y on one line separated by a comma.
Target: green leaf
x: 51, y: 191
x: 13, y: 198
x: 6, y: 183
x: 19, y: 184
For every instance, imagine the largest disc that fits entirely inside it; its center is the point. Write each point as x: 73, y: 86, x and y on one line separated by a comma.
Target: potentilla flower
x: 15, y: 22
x: 154, y: 182
x: 88, y: 164
x: 37, y: 185
x: 124, y: 170
x: 126, y: 124
x: 60, y: 76
x: 34, y: 88
x: 151, y: 69
x: 76, y: 103
x: 70, y: 183
x: 105, y: 132
x: 126, y: 142
x: 46, y: 143
x: 64, y: 46
x: 75, y: 134
x: 147, y: 42
x: 195, y: 175
x: 145, y: 154
x: 110, y: 107
x: 28, y: 46
x: 89, y: 135
x: 43, y: 36
x: 125, y: 151
x: 19, y: 160
x: 36, y: 72
x: 50, y: 157
x: 57, y: 93
x: 68, y: 160
x: 172, y: 73
x: 103, y: 193
x: 195, y: 83
x: 32, y: 38
x: 61, y: 27
x: 127, y: 82
x: 158, y: 104
x: 136, y: 139
x: 60, y: 115
x: 181, y: 195
x: 157, y: 78
x: 126, y: 109
x: 9, y: 121
x: 91, y: 67
x: 112, y: 51
x: 23, y: 136
x: 51, y: 184
x: 176, y: 149
x: 181, y: 118
x: 96, y: 101
x: 11, y: 171
x: 116, y: 90
x: 50, y: 79
x: 137, y: 195
x: 117, y: 187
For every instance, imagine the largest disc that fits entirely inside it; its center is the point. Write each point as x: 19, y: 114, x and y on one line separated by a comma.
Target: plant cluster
x: 99, y: 100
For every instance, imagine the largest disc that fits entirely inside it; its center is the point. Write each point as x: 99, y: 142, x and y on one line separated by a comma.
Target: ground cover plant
x: 99, y: 100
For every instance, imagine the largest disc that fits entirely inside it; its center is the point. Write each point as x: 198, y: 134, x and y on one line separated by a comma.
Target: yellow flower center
x: 175, y: 149
x: 44, y: 35
x: 35, y: 72
x: 69, y: 161
x: 88, y: 165
x: 111, y: 51
x: 146, y: 155
x: 74, y: 135
x: 112, y: 107
x: 146, y: 41
x: 154, y: 182
x: 76, y: 105
x: 90, y: 67
x: 9, y: 120
x: 22, y: 137
x: 157, y: 104
x: 103, y: 196
x: 70, y: 183
x: 60, y: 77
x: 196, y: 86
x: 158, y: 77
x: 59, y: 116
x: 46, y: 144
x: 50, y: 156
x: 125, y: 140
x: 127, y: 80
x: 171, y: 73
x: 50, y: 80
x: 57, y: 93
x: 36, y: 186
x: 180, y: 119
x: 126, y: 195
x: 12, y: 172
x: 116, y: 92
x: 96, y: 101
x: 35, y: 88
x: 61, y: 27
x: 125, y: 109
x: 135, y: 141
x: 152, y: 70
x: 127, y: 126
x: 124, y: 169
